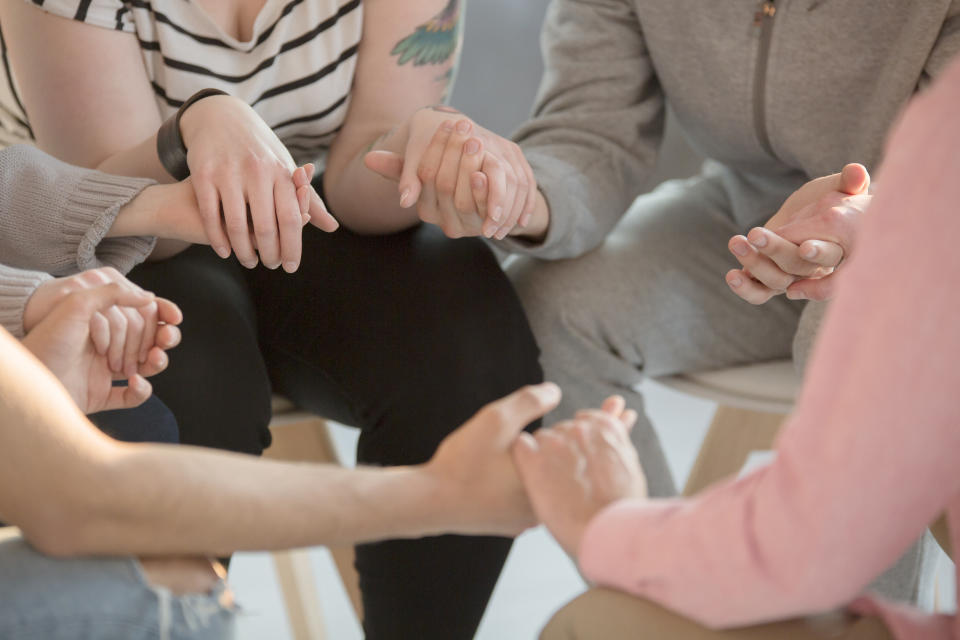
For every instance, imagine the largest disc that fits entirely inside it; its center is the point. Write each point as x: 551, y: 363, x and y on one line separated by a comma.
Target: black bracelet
x: 170, y: 147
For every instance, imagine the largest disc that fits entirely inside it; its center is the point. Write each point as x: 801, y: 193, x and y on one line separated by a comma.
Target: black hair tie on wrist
x: 170, y: 148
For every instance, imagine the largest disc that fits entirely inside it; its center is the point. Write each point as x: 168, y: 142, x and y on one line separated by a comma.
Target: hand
x: 125, y: 335
x: 171, y: 212
x: 576, y: 468
x: 462, y: 177
x: 65, y: 341
x: 239, y: 166
x: 800, y: 248
x: 474, y: 463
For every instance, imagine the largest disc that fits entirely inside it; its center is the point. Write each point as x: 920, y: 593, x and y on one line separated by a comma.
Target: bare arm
x: 79, y: 492
x: 405, y: 63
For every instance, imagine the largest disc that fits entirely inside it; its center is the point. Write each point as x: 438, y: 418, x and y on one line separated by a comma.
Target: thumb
x: 854, y: 179
x: 520, y: 408
x: 387, y: 163
x: 409, y: 182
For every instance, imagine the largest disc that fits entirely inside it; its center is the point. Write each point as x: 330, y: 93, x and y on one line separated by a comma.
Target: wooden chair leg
x: 733, y: 434
x: 303, y: 438
x: 300, y: 597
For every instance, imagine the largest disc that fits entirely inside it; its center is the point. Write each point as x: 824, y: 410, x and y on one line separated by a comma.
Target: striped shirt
x: 295, y: 71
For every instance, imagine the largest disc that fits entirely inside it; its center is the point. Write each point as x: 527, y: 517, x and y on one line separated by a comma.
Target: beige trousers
x: 603, y: 614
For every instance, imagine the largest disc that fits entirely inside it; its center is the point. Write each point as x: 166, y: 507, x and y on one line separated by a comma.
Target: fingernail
x: 811, y: 252
x: 289, y: 267
x: 761, y: 240
x: 525, y: 220
x: 477, y: 182
x: 735, y: 282
x: 222, y: 251
x: 404, y: 197
x: 447, y: 125
x: 489, y: 228
x: 502, y: 233
x: 472, y: 147
x: 740, y: 249
x: 464, y: 127
x: 249, y: 264
x: 796, y: 295
x: 497, y: 214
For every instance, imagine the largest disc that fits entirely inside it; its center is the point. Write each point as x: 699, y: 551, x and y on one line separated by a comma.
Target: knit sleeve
x: 16, y: 287
x: 54, y: 217
x: 110, y: 14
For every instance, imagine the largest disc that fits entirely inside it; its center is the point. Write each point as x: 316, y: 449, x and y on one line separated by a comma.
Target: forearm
x: 55, y: 216
x: 79, y: 492
x: 173, y: 500
x: 362, y: 200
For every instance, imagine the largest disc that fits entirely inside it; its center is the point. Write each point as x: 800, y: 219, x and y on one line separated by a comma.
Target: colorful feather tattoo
x: 434, y: 42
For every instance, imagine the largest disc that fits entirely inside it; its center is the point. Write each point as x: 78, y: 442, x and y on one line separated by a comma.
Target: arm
x: 79, y: 492
x: 597, y: 124
x: 870, y: 456
x: 55, y: 217
x: 409, y: 53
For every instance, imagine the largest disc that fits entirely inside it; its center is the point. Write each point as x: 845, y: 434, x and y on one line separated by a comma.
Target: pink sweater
x: 872, y: 454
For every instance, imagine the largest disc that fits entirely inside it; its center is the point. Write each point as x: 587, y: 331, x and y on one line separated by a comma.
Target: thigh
x: 216, y: 385
x: 611, y: 615
x: 44, y: 598
x: 653, y: 295
x: 404, y: 336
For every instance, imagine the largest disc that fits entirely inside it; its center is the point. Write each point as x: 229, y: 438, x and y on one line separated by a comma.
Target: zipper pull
x: 766, y: 10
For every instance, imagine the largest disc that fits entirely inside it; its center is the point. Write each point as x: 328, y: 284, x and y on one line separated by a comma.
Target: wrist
x: 175, y: 134
x: 539, y: 225
x: 139, y: 217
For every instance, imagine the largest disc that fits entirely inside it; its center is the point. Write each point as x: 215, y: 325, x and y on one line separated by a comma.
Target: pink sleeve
x: 872, y: 454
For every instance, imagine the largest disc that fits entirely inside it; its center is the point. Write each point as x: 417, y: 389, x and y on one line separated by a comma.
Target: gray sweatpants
x: 652, y: 301
x: 43, y: 598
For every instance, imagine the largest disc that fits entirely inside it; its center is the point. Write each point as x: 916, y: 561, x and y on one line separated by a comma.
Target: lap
x: 655, y: 290
x: 96, y: 598
x: 602, y: 613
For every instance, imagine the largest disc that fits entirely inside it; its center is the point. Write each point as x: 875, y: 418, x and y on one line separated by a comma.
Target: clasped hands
x: 797, y: 252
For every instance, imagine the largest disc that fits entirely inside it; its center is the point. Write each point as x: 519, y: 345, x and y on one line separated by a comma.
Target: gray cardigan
x: 53, y: 219
x: 772, y: 102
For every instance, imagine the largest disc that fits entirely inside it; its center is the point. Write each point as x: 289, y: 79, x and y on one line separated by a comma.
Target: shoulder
x: 109, y: 14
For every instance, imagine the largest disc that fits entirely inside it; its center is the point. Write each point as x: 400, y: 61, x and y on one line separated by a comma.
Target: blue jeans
x: 43, y: 598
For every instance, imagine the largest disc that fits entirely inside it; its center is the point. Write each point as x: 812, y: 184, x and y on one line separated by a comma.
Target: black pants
x: 152, y: 421
x: 404, y: 336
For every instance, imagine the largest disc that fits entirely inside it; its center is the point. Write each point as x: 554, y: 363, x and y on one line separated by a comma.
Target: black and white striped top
x: 296, y: 70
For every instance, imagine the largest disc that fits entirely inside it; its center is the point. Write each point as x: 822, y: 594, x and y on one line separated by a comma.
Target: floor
x: 538, y: 577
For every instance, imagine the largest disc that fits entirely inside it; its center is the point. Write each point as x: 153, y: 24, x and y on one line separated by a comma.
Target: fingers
x: 760, y: 266
x: 783, y: 253
x: 514, y: 412
x: 410, y: 185
x: 385, y: 163
x: 747, y: 288
x: 320, y: 216
x: 614, y: 405
x: 519, y: 181
x: 479, y: 186
x: 168, y: 312
x: 238, y: 229
x: 157, y: 361
x: 133, y: 395
x: 854, y: 179
x: 496, y: 194
x: 118, y: 337
x: 826, y: 254
x: 429, y: 169
x: 289, y: 223
x: 813, y: 289
x: 455, y: 221
x: 100, y: 333
x: 209, y: 204
x: 260, y: 196
x: 149, y: 317
x: 470, y: 163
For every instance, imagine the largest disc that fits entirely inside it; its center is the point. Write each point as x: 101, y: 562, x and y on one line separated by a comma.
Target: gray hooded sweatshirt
x: 772, y: 93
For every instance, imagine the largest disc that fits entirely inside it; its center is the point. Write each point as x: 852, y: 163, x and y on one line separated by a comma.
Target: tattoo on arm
x: 433, y: 42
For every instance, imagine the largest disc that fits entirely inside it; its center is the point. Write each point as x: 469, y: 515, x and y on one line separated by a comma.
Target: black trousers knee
x: 403, y: 336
